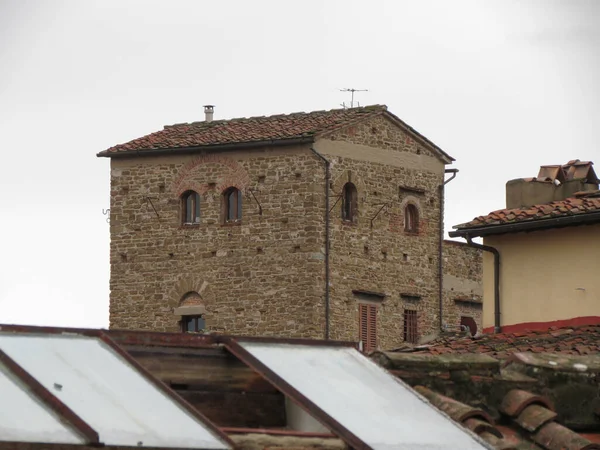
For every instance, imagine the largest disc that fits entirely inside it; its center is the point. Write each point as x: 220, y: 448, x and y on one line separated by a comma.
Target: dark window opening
x: 193, y: 324
x: 232, y: 200
x: 468, y: 324
x: 190, y: 202
x: 367, y: 326
x: 349, y: 203
x: 410, y: 326
x: 411, y: 219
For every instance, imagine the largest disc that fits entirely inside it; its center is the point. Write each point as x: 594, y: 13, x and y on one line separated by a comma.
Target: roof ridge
x: 374, y: 107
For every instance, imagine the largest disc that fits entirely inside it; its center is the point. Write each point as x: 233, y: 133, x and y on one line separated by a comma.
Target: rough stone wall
x: 375, y: 254
x: 463, y: 284
x: 263, y: 276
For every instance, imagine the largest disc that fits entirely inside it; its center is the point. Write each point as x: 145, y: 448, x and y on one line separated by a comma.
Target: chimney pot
x: 208, y: 112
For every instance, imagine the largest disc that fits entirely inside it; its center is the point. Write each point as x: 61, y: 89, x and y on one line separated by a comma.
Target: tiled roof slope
x: 532, y: 401
x: 252, y: 129
x: 584, y: 204
x: 578, y: 340
x: 277, y: 128
x: 528, y: 422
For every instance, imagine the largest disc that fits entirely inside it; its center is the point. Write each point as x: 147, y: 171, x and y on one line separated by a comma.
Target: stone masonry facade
x: 265, y: 275
x: 463, y: 285
x: 375, y: 254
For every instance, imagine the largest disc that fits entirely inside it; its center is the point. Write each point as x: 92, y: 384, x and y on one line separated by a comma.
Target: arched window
x: 411, y: 218
x: 190, y: 208
x: 349, y: 203
x: 232, y: 205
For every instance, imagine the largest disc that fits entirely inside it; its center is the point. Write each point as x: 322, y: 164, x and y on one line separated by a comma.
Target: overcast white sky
x: 503, y: 86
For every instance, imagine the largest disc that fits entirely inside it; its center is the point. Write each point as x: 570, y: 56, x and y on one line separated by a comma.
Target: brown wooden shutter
x: 367, y: 326
x: 411, y: 333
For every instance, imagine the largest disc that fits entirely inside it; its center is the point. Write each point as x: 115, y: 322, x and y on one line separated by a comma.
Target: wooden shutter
x: 367, y: 326
x: 410, y: 326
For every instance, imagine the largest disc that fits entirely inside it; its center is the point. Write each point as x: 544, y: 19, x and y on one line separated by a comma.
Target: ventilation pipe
x: 208, y: 112
x: 453, y: 173
x: 494, y: 251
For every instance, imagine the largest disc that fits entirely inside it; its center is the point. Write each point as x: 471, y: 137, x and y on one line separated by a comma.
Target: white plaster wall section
x: 393, y: 158
x: 458, y: 284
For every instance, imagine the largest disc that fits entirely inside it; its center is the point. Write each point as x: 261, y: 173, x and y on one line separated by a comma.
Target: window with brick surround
x: 349, y: 203
x: 192, y: 324
x: 411, y: 218
x: 367, y: 326
x: 232, y: 205
x: 410, y: 326
x: 190, y: 208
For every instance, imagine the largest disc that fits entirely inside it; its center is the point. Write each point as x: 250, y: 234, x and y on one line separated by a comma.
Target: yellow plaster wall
x: 544, y: 275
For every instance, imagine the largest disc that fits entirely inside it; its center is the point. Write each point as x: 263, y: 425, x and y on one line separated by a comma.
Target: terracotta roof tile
x: 568, y: 207
x: 253, y: 130
x: 515, y: 401
x: 534, y: 416
x: 579, y: 340
x: 455, y: 409
x: 553, y: 436
x: 529, y: 423
x: 246, y: 130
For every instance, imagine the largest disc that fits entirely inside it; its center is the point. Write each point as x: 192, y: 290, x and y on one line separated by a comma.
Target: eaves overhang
x: 530, y: 225
x: 207, y: 148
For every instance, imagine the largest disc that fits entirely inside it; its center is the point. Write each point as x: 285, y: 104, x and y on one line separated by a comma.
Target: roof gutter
x: 199, y: 148
x: 531, y: 225
x: 441, y: 246
x: 327, y: 214
x: 496, y: 253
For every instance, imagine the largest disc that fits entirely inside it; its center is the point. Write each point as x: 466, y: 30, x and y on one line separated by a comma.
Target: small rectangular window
x: 367, y: 326
x: 410, y: 326
x: 192, y: 324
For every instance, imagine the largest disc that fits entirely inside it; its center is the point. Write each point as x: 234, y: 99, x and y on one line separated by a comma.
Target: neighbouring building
x: 462, y: 287
x: 322, y: 224
x: 541, y: 254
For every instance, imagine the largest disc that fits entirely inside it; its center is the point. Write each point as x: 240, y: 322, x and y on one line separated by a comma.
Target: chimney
x: 208, y: 112
x: 553, y: 183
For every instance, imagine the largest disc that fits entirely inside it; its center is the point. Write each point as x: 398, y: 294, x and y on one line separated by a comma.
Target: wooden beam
x: 200, y: 369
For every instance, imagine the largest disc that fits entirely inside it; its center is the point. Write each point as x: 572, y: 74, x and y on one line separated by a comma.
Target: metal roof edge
x: 293, y: 394
x: 166, y: 390
x: 51, y: 401
x: 528, y: 225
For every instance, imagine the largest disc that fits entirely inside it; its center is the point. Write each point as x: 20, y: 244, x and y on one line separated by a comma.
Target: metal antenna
x: 352, y: 90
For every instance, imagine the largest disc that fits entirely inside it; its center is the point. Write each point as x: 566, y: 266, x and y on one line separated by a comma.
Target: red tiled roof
x: 257, y: 129
x: 584, y: 204
x: 581, y: 340
x: 252, y: 129
x: 530, y: 424
x: 532, y: 401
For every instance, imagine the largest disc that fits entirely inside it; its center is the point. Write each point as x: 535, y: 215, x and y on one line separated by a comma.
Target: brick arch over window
x: 191, y: 298
x: 187, y: 284
x: 233, y: 174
